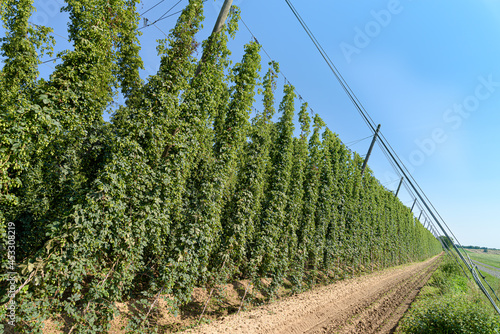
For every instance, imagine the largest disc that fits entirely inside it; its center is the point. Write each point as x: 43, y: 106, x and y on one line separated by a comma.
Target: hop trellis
x: 181, y: 189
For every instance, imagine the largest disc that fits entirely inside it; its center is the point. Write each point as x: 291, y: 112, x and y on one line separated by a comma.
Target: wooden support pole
x: 370, y: 150
x: 415, y: 202
x: 399, y: 187
x: 221, y: 19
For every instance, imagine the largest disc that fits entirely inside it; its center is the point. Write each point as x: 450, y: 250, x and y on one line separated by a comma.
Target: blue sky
x: 427, y: 71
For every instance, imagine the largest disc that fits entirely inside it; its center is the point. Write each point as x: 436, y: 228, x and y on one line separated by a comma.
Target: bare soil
x: 369, y: 304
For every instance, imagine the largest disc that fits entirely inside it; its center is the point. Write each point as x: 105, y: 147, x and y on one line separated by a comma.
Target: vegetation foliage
x: 182, y: 188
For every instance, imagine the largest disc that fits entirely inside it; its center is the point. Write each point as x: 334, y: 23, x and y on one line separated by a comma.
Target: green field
x: 486, y: 258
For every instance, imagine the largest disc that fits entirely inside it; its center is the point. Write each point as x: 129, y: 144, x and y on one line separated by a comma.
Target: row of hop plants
x: 182, y: 188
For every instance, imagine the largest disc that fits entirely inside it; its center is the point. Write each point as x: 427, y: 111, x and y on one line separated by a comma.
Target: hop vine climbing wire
x: 147, y: 24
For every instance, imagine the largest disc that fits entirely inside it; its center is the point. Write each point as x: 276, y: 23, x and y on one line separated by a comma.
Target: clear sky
x: 427, y: 71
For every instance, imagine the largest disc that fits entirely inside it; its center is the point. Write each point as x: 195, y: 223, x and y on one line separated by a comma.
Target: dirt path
x: 368, y: 304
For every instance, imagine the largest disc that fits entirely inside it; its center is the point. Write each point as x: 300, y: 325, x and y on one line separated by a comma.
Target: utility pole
x: 370, y: 150
x: 415, y: 202
x: 221, y: 19
x: 399, y: 187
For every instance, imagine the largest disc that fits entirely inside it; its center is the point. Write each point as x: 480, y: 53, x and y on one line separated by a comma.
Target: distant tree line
x: 477, y: 247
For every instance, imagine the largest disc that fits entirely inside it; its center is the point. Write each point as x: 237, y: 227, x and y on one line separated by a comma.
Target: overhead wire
x: 468, y: 263
x: 161, y: 17
x: 52, y: 32
x: 418, y: 205
x: 449, y: 251
x: 48, y: 61
x: 160, y: 30
x: 168, y: 11
x: 346, y: 87
x: 271, y: 59
x: 166, y: 17
x: 366, y: 117
x: 255, y: 38
x: 387, y: 148
x: 332, y: 67
x: 434, y: 230
x: 389, y: 182
x: 408, y: 202
x: 357, y: 141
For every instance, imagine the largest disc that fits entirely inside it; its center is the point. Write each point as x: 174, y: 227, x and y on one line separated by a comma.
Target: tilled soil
x: 370, y: 304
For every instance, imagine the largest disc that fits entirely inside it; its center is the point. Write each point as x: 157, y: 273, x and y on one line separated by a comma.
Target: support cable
x: 357, y: 141
x: 271, y: 59
x: 163, y: 17
x: 152, y: 7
